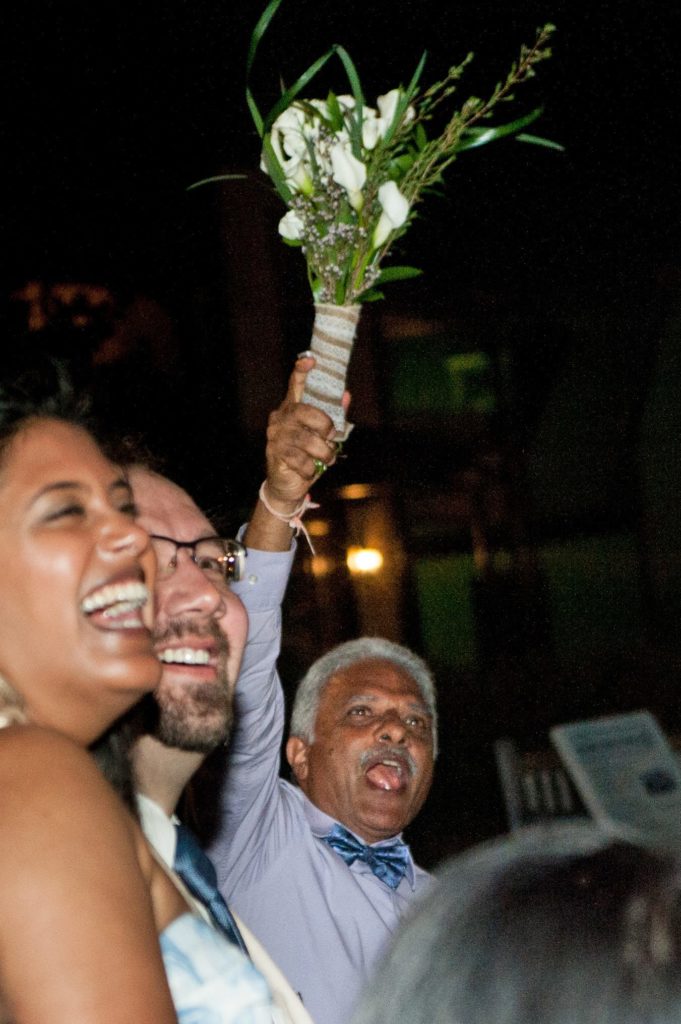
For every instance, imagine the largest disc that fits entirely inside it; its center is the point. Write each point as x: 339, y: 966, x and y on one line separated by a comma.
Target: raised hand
x: 300, y: 441
x: 300, y: 447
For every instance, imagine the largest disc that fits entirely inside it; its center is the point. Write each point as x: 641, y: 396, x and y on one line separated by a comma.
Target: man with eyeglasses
x: 202, y: 627
x: 219, y: 557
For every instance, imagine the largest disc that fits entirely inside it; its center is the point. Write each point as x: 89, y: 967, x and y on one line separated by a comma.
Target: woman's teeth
x: 116, y: 599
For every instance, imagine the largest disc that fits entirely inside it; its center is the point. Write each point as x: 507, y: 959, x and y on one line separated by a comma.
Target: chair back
x: 534, y: 786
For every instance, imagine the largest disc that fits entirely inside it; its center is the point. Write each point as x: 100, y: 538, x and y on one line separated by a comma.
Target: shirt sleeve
x: 250, y: 794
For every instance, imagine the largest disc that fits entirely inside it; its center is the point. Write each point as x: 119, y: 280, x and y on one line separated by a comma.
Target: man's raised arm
x: 299, y: 437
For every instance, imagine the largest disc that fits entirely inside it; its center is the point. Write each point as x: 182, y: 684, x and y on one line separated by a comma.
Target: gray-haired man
x: 318, y: 871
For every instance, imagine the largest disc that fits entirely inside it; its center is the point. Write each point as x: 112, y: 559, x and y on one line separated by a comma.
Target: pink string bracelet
x: 293, y: 519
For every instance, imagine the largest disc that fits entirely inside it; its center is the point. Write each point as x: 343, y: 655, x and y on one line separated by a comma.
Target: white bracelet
x: 293, y: 519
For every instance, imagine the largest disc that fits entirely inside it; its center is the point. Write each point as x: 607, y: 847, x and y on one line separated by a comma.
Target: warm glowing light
x: 321, y: 566
x: 364, y: 560
x: 318, y: 528
x: 354, y: 492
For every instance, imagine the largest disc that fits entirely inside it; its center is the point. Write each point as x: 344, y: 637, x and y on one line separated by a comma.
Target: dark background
x: 560, y: 260
x: 111, y: 110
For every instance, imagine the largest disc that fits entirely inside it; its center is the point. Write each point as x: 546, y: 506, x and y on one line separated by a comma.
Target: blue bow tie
x: 389, y: 863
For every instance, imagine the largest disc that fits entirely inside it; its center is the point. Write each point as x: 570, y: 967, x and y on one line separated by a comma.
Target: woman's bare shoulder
x: 74, y: 890
x: 27, y: 734
x: 47, y: 778
x: 35, y: 753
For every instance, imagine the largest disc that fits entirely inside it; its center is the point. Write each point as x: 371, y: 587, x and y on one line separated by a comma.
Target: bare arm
x: 78, y: 939
x: 297, y: 434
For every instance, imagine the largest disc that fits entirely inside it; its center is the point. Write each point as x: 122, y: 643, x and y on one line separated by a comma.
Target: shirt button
x: 252, y: 580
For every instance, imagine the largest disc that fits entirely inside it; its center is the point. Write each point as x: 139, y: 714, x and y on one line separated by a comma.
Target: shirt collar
x: 158, y: 827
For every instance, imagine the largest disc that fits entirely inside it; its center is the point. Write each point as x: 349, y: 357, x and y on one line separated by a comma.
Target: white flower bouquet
x: 352, y: 176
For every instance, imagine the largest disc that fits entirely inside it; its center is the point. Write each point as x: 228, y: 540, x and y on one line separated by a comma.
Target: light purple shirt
x: 325, y: 923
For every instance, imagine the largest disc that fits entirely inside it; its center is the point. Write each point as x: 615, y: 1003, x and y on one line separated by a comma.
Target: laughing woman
x: 82, y: 900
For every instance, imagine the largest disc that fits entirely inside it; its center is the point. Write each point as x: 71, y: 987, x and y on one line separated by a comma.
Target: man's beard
x: 195, y: 716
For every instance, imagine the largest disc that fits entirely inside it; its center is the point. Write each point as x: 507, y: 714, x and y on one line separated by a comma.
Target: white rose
x: 288, y: 138
x: 371, y: 128
x: 297, y: 173
x: 288, y: 133
x: 387, y: 105
x: 348, y: 172
x: 346, y: 102
x: 291, y: 226
x: 369, y: 121
x: 299, y: 177
x: 395, y: 209
x: 321, y: 106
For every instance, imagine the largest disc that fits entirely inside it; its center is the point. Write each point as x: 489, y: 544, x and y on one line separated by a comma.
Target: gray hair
x: 565, y: 923
x: 366, y: 648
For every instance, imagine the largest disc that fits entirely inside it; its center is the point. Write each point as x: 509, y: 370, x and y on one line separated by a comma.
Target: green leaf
x: 257, y: 34
x: 215, y: 177
x: 255, y: 113
x: 399, y: 166
x: 371, y: 295
x: 259, y: 31
x: 474, y: 137
x: 537, y: 140
x: 351, y: 72
x: 397, y: 274
x: 287, y: 98
x: 356, y: 88
x: 335, y: 112
x: 413, y: 84
x: 405, y: 100
x: 385, y: 277
x: 275, y: 171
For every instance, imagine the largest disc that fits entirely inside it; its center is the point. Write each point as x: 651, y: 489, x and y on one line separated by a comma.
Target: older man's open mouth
x: 389, y: 770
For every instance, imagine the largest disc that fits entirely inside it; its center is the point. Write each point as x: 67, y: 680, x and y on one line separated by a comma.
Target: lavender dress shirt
x: 325, y: 923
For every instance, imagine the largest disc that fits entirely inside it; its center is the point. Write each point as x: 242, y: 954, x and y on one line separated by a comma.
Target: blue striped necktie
x: 197, y: 871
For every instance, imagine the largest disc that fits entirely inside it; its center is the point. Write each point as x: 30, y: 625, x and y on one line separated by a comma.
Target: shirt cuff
x: 266, y: 576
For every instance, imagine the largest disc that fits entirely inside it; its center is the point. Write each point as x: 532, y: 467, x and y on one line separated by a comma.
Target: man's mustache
x: 399, y: 754
x: 180, y: 629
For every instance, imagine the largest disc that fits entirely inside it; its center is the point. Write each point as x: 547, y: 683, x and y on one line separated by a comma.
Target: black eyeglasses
x: 220, y: 558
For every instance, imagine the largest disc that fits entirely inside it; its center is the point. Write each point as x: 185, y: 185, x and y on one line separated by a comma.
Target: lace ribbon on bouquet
x: 333, y: 337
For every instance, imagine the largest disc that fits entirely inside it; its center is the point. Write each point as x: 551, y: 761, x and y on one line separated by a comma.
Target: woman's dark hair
x: 562, y: 925
x: 112, y: 751
x: 36, y: 388
x: 112, y: 756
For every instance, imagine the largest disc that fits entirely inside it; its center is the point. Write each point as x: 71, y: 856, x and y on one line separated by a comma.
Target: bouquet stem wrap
x: 333, y: 336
